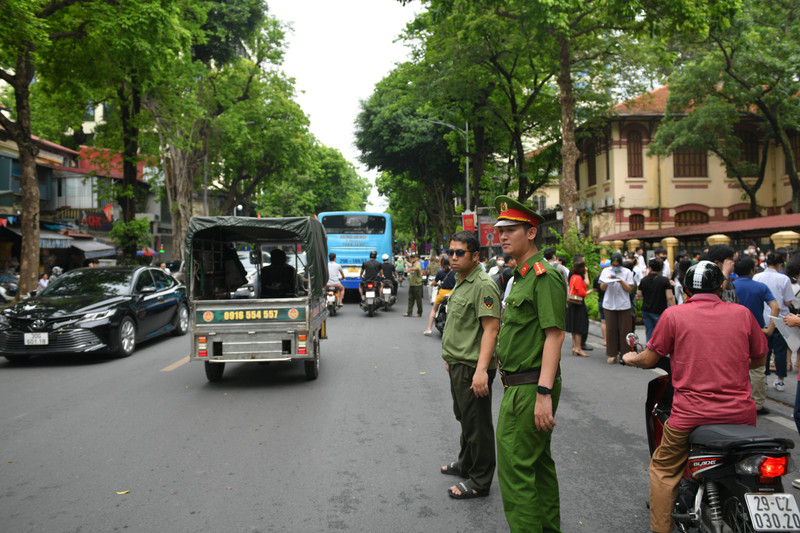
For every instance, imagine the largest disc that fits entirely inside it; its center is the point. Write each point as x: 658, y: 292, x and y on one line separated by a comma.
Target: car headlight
x: 100, y: 315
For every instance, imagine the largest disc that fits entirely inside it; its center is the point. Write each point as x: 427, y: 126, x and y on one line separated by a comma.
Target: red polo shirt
x: 711, y: 343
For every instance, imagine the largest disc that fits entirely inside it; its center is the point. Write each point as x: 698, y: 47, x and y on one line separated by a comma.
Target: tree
x: 128, y: 48
x: 30, y: 28
x: 744, y: 68
x: 393, y: 138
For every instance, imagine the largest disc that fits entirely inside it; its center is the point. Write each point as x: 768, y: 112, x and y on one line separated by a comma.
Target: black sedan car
x: 105, y: 310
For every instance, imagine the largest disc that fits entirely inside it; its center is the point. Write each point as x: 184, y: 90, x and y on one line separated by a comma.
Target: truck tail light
x: 202, y: 347
x: 301, y: 344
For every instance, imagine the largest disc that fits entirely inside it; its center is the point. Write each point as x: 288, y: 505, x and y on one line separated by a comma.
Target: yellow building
x: 628, y: 191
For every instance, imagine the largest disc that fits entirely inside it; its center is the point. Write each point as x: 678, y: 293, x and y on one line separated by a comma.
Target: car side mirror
x: 147, y: 290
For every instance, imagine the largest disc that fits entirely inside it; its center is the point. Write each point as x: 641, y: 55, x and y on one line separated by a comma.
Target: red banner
x: 468, y: 221
x: 489, y: 234
x: 108, y: 211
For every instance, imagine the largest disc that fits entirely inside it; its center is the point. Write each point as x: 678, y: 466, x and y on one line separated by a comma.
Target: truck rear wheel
x: 312, y: 367
x: 214, y: 371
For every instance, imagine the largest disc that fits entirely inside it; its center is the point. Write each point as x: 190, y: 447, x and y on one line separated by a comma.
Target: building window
x: 635, y: 167
x: 750, y: 151
x: 636, y: 222
x: 690, y: 164
x: 591, y: 161
x: 742, y: 214
x: 691, y: 218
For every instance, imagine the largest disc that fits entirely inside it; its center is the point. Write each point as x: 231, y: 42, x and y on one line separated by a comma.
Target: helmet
x: 385, y: 257
x: 704, y: 276
x: 373, y: 254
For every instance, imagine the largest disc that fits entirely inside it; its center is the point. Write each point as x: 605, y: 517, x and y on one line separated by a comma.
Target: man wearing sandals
x: 468, y: 342
x: 528, y: 352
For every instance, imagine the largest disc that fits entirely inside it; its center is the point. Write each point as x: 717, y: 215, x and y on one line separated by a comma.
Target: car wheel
x: 182, y: 321
x: 17, y: 358
x: 126, y: 337
x: 214, y: 371
x: 312, y: 367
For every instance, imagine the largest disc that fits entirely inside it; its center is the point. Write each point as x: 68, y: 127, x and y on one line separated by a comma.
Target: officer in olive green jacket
x: 468, y: 343
x: 528, y: 352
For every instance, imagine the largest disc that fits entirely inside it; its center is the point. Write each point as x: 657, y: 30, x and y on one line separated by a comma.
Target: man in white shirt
x: 781, y: 288
x: 661, y: 253
x: 550, y: 257
x: 335, y: 275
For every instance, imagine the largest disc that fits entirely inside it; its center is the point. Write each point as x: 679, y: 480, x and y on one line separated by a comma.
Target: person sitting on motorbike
x: 278, y: 280
x: 335, y: 275
x: 710, y: 374
x: 445, y: 280
x: 389, y: 272
x: 370, y: 271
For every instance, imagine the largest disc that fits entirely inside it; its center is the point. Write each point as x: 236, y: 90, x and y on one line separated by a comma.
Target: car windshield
x: 90, y: 282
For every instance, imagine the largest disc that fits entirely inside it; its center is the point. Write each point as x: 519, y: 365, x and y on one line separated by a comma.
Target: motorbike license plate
x: 773, y: 512
x: 331, y: 298
x: 387, y: 291
x: 36, y: 339
x: 370, y: 294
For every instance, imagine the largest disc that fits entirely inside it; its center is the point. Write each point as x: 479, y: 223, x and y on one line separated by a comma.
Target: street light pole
x: 464, y: 133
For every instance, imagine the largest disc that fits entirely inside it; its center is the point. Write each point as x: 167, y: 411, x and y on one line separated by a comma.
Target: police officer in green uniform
x: 528, y: 351
x: 468, y: 344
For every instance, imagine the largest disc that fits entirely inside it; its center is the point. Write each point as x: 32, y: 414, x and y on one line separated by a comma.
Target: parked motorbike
x: 387, y: 294
x: 732, y: 482
x: 372, y: 297
x: 441, y: 314
x: 332, y: 299
x: 8, y: 287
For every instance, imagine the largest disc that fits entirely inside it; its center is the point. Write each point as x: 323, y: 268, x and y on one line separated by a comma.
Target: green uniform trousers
x: 477, y: 459
x: 525, y: 468
x: 415, y: 295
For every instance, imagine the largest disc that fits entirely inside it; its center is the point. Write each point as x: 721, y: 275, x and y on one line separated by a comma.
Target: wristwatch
x: 543, y: 390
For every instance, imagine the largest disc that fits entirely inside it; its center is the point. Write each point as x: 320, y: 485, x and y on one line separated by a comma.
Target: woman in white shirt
x: 617, y: 282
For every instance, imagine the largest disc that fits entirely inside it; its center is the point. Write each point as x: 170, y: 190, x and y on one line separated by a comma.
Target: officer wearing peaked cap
x: 528, y: 352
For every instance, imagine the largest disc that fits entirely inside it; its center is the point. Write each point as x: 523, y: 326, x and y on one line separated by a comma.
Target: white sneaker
x: 796, y: 483
x: 779, y: 385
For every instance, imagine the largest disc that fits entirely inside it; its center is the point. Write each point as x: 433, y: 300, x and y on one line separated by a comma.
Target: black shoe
x: 762, y: 411
x: 587, y: 348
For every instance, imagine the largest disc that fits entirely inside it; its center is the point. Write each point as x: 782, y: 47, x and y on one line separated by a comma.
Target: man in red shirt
x: 710, y: 374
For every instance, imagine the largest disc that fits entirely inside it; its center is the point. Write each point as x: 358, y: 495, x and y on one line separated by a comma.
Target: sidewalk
x: 785, y: 398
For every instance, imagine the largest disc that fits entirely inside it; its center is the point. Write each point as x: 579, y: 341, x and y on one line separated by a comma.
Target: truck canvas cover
x: 263, y: 230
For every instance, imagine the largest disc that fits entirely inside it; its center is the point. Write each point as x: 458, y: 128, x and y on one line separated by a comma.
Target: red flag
x: 108, y: 211
x: 4, y: 222
x: 258, y: 215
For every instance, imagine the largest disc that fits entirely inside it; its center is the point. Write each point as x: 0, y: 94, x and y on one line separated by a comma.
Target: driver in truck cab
x: 278, y: 280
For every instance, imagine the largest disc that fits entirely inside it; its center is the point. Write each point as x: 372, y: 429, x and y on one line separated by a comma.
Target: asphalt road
x: 146, y: 444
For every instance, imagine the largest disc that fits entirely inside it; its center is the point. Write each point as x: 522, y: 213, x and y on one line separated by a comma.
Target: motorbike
x: 372, y: 297
x: 332, y: 299
x: 387, y: 294
x: 732, y: 481
x: 441, y: 314
x: 8, y: 287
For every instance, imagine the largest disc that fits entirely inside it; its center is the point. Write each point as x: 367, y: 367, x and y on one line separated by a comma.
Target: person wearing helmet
x: 389, y: 272
x: 370, y: 271
x: 335, y: 277
x: 710, y: 374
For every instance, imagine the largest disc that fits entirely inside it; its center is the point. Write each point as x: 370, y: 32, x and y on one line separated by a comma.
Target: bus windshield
x: 354, y: 224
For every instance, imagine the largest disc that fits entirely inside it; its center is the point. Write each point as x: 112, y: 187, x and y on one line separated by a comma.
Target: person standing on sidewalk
x: 781, y: 287
x: 468, y: 342
x: 754, y: 296
x: 414, y: 271
x: 656, y: 294
x: 528, y: 352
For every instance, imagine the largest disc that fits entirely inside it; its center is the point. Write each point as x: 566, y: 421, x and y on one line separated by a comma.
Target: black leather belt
x: 523, y: 378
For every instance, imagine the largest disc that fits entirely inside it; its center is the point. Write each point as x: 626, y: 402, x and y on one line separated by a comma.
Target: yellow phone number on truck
x: 251, y: 315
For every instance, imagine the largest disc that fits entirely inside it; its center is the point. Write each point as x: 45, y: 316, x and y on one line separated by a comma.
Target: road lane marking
x: 176, y: 364
x: 785, y: 422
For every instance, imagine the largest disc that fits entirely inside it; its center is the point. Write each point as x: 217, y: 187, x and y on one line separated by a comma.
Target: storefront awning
x: 93, y: 249
x: 48, y: 239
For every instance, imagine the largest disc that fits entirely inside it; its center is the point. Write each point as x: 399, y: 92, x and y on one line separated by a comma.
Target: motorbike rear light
x: 202, y: 347
x: 773, y: 467
x: 763, y: 466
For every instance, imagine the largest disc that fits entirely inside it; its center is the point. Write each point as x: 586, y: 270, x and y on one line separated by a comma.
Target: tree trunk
x: 569, y: 150
x: 29, y: 184
x: 130, y: 106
